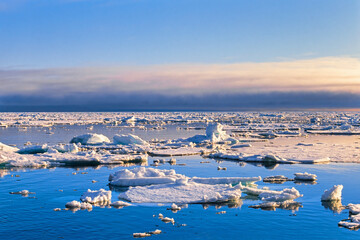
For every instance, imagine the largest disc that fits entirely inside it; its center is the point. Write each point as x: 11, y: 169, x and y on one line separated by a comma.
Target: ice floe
x: 182, y: 191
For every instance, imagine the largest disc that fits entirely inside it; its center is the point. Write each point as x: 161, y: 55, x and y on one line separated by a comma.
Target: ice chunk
x: 277, y: 179
x: 72, y: 148
x: 90, y: 139
x: 175, y: 207
x: 120, y: 204
x: 34, y: 149
x: 354, y: 208
x: 182, y: 192
x: 76, y: 204
x: 288, y: 205
x: 6, y: 148
x: 129, y: 139
x: 215, y: 132
x: 143, y: 176
x: 101, y: 197
x: 332, y: 194
x: 226, y: 180
x: 305, y: 176
x: 141, y: 235
x: 271, y: 195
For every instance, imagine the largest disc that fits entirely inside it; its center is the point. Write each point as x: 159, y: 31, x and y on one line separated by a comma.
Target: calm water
x: 34, y: 218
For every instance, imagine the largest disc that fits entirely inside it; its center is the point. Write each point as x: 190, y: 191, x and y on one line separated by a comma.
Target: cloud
x: 322, y: 74
x: 145, y: 101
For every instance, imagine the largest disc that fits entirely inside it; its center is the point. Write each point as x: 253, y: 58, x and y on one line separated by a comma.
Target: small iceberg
x: 90, y: 139
x: 332, y: 194
x: 99, y: 197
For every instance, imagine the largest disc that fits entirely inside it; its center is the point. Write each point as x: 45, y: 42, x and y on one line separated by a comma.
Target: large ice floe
x: 166, y: 186
x: 149, y: 176
x: 182, y: 191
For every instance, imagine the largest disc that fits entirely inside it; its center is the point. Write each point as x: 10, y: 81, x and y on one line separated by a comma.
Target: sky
x: 113, y: 55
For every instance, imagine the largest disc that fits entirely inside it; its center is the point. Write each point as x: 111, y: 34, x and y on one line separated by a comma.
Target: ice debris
x: 119, y: 204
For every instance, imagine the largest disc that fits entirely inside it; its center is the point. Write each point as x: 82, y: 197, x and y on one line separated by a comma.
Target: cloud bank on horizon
x: 322, y: 82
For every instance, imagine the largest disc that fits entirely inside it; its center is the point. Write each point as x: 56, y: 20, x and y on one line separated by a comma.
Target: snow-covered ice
x: 332, y: 194
x: 305, y: 176
x: 100, y: 197
x: 90, y: 139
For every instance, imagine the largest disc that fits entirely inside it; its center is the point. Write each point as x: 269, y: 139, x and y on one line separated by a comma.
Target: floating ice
x: 271, y: 195
x: 90, y: 139
x: 277, y: 179
x: 146, y: 176
x: 129, y: 139
x: 120, y: 204
x: 354, y: 208
x: 34, y: 149
x: 7, y: 148
x: 101, y: 197
x: 80, y: 205
x: 288, y: 205
x: 143, y: 176
x: 305, y: 176
x: 332, y: 194
x: 182, y: 192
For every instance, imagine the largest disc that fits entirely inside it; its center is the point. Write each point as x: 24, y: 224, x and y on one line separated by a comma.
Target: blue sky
x: 44, y: 42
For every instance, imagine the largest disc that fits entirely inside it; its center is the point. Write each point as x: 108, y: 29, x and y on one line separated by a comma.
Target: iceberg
x: 332, y: 194
x: 7, y: 148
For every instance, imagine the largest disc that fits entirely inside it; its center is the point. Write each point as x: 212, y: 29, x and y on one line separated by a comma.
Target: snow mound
x: 332, y: 194
x: 34, y: 149
x: 182, y: 192
x: 101, y: 197
x: 129, y: 139
x: 90, y: 139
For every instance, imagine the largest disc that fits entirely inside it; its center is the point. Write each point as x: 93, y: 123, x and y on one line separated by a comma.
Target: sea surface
x: 33, y: 216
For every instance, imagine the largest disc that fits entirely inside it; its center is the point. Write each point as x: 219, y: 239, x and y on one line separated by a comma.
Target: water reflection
x: 335, y: 206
